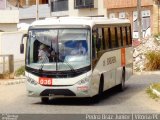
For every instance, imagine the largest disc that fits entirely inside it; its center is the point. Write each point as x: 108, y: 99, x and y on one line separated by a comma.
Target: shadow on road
x: 137, y: 84
x: 107, y: 96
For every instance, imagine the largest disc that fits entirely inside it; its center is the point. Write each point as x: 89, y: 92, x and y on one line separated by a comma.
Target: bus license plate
x: 45, y: 81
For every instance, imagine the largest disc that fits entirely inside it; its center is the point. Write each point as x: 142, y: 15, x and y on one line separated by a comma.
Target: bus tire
x: 122, y: 84
x: 44, y: 99
x: 100, y: 90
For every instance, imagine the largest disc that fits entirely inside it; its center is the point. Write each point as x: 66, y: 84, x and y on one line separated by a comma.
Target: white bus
x: 77, y: 57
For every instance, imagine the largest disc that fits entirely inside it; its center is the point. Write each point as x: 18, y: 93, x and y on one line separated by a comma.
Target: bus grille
x: 64, y: 92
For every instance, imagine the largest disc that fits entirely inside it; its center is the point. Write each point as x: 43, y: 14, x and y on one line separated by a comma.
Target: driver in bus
x: 79, y: 50
x: 43, y: 55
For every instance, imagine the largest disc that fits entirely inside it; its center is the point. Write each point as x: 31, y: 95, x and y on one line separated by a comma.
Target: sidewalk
x: 18, y: 80
x: 17, y: 64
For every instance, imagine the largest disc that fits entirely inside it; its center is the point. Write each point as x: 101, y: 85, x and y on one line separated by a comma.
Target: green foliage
x: 20, y: 71
x: 157, y: 35
x: 153, y: 58
x: 156, y: 86
x: 150, y: 93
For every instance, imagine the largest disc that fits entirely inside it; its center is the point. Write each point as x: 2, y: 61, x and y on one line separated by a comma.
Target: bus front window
x: 58, y: 49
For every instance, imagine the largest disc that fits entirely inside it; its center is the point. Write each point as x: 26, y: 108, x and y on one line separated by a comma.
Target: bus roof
x: 91, y: 21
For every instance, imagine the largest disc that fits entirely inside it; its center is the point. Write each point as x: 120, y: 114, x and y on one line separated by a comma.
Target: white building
x: 78, y: 8
x: 8, y: 18
x: 58, y: 8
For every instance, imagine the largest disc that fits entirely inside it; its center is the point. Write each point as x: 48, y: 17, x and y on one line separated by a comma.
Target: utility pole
x: 49, y: 4
x: 158, y: 14
x: 37, y: 9
x: 17, y: 3
x: 139, y: 19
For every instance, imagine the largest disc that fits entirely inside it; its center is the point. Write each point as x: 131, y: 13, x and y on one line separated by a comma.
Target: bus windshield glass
x: 58, y: 49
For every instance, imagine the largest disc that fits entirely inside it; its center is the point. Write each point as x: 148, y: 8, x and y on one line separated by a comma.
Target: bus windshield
x: 58, y: 49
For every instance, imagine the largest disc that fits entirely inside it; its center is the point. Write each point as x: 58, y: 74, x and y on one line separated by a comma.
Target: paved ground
x: 134, y: 99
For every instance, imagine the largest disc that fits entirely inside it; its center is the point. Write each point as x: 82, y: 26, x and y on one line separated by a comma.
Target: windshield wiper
x: 69, y: 65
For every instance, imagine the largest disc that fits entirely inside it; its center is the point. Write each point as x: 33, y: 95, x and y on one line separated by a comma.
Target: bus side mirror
x: 22, y: 45
x: 22, y: 48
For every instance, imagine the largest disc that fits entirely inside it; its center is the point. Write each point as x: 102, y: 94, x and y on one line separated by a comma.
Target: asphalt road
x: 13, y: 99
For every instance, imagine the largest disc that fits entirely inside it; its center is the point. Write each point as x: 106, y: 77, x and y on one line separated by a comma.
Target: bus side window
x: 127, y: 33
x: 103, y: 39
x: 99, y: 39
x: 109, y: 38
x: 116, y: 38
x: 121, y: 34
x: 119, y: 37
x: 106, y: 38
x: 93, y: 47
x: 124, y: 36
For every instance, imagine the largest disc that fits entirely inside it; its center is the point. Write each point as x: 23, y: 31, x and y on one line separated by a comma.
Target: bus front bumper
x: 58, y: 91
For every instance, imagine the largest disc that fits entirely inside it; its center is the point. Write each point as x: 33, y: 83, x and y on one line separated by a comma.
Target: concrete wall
x: 10, y: 44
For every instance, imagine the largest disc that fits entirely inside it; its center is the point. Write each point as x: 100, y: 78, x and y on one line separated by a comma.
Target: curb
x: 12, y: 82
x: 154, y: 91
x: 147, y: 73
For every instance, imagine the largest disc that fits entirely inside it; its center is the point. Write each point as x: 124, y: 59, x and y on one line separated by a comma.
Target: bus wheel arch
x: 97, y: 97
x: 122, y: 84
x: 101, y: 85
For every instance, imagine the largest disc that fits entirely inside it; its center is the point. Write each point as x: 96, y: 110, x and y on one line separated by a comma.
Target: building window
x: 112, y: 15
x: 122, y: 15
x: 83, y: 4
x: 59, y: 5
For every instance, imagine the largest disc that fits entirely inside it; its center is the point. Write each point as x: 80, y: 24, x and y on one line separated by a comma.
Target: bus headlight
x: 30, y: 80
x: 84, y: 81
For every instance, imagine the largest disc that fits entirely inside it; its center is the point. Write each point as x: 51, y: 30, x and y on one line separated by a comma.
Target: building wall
x: 10, y: 43
x: 129, y: 6
x: 128, y: 12
x: 8, y: 27
x: 2, y: 4
x: 9, y: 16
x: 126, y: 3
x: 9, y: 20
x: 32, y: 2
x: 156, y: 19
x: 98, y: 10
x: 30, y: 12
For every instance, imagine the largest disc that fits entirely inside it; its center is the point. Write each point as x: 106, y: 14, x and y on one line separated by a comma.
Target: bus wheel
x: 100, y: 92
x: 122, y: 85
x: 44, y: 99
